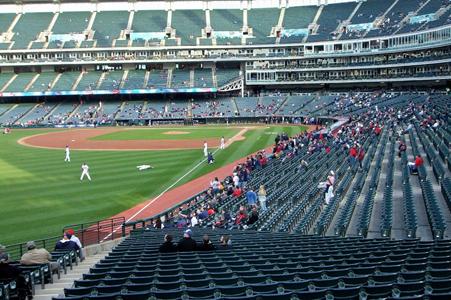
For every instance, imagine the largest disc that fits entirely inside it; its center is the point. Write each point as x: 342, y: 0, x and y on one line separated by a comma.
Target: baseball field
x: 40, y: 192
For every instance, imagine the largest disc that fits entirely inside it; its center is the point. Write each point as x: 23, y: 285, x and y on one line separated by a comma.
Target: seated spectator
x: 66, y: 243
x: 206, y: 244
x: 38, y: 256
x: 11, y: 271
x: 168, y: 246
x: 187, y: 243
x: 225, y: 243
x: 202, y: 214
x: 76, y: 240
x: 413, y: 166
x: 253, y: 218
x: 168, y: 223
x: 237, y: 192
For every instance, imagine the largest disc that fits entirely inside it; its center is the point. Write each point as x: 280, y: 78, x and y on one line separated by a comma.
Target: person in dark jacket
x: 206, y: 244
x: 66, y: 243
x: 187, y: 243
x: 225, y: 244
x: 168, y: 246
x: 8, y: 271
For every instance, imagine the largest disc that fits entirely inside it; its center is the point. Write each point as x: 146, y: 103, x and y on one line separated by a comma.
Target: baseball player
x: 67, y: 154
x: 222, y: 143
x: 205, y: 148
x: 85, y: 171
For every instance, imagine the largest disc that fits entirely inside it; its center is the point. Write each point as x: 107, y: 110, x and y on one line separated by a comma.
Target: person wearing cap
x: 67, y: 154
x: 329, y: 186
x: 85, y: 171
x: 75, y: 239
x: 168, y: 246
x: 38, y: 256
x: 66, y: 243
x: 205, y: 148
x: 187, y: 243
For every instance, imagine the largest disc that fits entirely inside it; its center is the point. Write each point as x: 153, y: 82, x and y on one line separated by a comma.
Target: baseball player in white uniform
x: 67, y: 154
x: 85, y: 171
x: 205, y: 148
x: 222, y: 143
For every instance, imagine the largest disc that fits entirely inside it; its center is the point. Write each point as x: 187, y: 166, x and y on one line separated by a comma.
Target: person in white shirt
x: 205, y: 148
x: 222, y: 143
x: 85, y: 171
x: 67, y: 154
x: 75, y: 239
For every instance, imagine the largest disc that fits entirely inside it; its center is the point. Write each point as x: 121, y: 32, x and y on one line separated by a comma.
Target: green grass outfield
x: 40, y: 193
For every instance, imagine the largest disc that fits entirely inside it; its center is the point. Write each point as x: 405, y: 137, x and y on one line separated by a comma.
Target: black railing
x: 89, y: 233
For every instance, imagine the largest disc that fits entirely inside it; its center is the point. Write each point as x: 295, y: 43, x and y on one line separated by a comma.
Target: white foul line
x: 170, y: 187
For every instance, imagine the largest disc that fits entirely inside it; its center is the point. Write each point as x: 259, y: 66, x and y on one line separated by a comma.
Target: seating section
x: 88, y: 81
x: 71, y: 22
x: 224, y: 76
x: 261, y: 21
x: 14, y: 115
x: 181, y: 78
x: 4, y: 78
x: 304, y: 267
x: 299, y: 17
x: 331, y: 16
x: 20, y: 82
x: 246, y: 105
x: 112, y: 80
x: 134, y: 80
x: 226, y: 19
x: 203, y: 78
x: 66, y: 81
x: 188, y: 25
x: 60, y: 114
x: 29, y: 26
x: 158, y: 79
x: 43, y: 82
x: 149, y: 21
x: 108, y: 26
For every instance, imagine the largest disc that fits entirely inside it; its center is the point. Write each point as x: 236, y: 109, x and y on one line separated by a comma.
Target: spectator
x: 360, y: 154
x: 215, y: 185
x: 225, y: 243
x: 206, y: 244
x: 168, y: 246
x: 303, y: 165
x: 251, y: 197
x: 187, y: 243
x: 237, y: 192
x: 38, y: 256
x: 262, y: 197
x: 402, y: 148
x: 413, y: 166
x: 76, y: 240
x: 168, y: 223
x: 66, y: 243
x: 352, y: 155
x: 329, y: 186
x: 253, y: 218
x: 11, y: 271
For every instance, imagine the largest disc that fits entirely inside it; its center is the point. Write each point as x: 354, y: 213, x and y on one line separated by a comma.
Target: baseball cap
x: 70, y: 231
x: 2, y: 247
x: 4, y: 257
x: 188, y: 232
x: 68, y: 235
x: 31, y: 244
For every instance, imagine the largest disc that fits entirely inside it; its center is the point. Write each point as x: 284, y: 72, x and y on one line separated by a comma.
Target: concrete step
x: 67, y: 280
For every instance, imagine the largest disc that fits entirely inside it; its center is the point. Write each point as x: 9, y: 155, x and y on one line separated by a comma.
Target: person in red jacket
x: 352, y: 155
x: 414, y: 166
